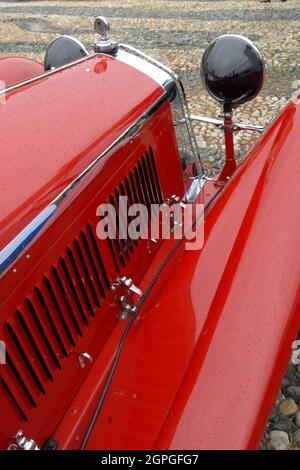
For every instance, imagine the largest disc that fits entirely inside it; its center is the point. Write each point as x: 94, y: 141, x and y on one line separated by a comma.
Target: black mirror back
x: 62, y: 51
x: 232, y: 70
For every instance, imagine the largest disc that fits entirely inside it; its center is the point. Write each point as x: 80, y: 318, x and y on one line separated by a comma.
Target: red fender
x: 201, y: 367
x: 18, y: 69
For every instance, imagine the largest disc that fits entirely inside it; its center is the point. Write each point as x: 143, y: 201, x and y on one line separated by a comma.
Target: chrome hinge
x: 83, y: 357
x: 128, y: 284
x: 22, y: 443
x: 127, y: 308
x: 175, y: 220
x: 174, y: 200
x: 126, y: 302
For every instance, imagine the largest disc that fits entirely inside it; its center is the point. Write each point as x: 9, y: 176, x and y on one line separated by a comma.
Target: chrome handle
x: 127, y: 308
x: 83, y: 357
x: 22, y: 443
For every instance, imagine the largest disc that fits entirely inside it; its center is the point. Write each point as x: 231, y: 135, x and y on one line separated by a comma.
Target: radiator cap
x: 104, y: 44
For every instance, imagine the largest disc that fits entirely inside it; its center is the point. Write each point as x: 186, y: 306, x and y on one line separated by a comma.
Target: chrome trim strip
x: 157, y: 74
x: 21, y: 241
x: 141, y: 62
x: 14, y: 248
x: 195, y: 188
x: 46, y: 74
x: 182, y: 96
x: 192, y: 117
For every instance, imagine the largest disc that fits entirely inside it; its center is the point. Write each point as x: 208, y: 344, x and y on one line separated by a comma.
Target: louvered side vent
x: 141, y: 186
x: 52, y: 318
x: 68, y: 299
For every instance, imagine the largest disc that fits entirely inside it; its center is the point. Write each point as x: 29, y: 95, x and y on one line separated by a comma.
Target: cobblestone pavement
x: 177, y: 32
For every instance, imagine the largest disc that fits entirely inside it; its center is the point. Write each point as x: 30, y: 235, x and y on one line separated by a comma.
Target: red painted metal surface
x: 56, y: 302
x: 63, y: 122
x: 202, y: 364
x: 71, y: 430
x: 210, y: 345
x: 230, y: 163
x: 14, y: 70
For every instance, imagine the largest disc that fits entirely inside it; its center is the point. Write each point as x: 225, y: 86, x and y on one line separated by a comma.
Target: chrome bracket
x: 127, y: 308
x: 126, y: 282
x: 195, y: 188
x: 174, y: 200
x: 236, y: 126
x: 22, y: 443
x: 126, y: 302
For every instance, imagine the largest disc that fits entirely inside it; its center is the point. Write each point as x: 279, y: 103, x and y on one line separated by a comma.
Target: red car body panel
x: 201, y: 367
x: 203, y: 361
x: 40, y: 376
x: 15, y: 70
x: 70, y: 120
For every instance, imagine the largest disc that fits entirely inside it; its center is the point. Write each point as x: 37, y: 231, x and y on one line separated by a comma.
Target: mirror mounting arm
x: 230, y: 163
x: 237, y: 126
x: 228, y: 126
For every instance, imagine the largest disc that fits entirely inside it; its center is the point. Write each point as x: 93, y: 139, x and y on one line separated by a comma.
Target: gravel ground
x: 177, y: 32
x: 283, y: 428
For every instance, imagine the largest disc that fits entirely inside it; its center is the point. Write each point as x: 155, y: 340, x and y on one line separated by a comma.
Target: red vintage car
x: 146, y: 342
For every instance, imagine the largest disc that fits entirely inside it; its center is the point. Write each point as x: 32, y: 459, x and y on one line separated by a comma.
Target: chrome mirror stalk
x: 228, y: 126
